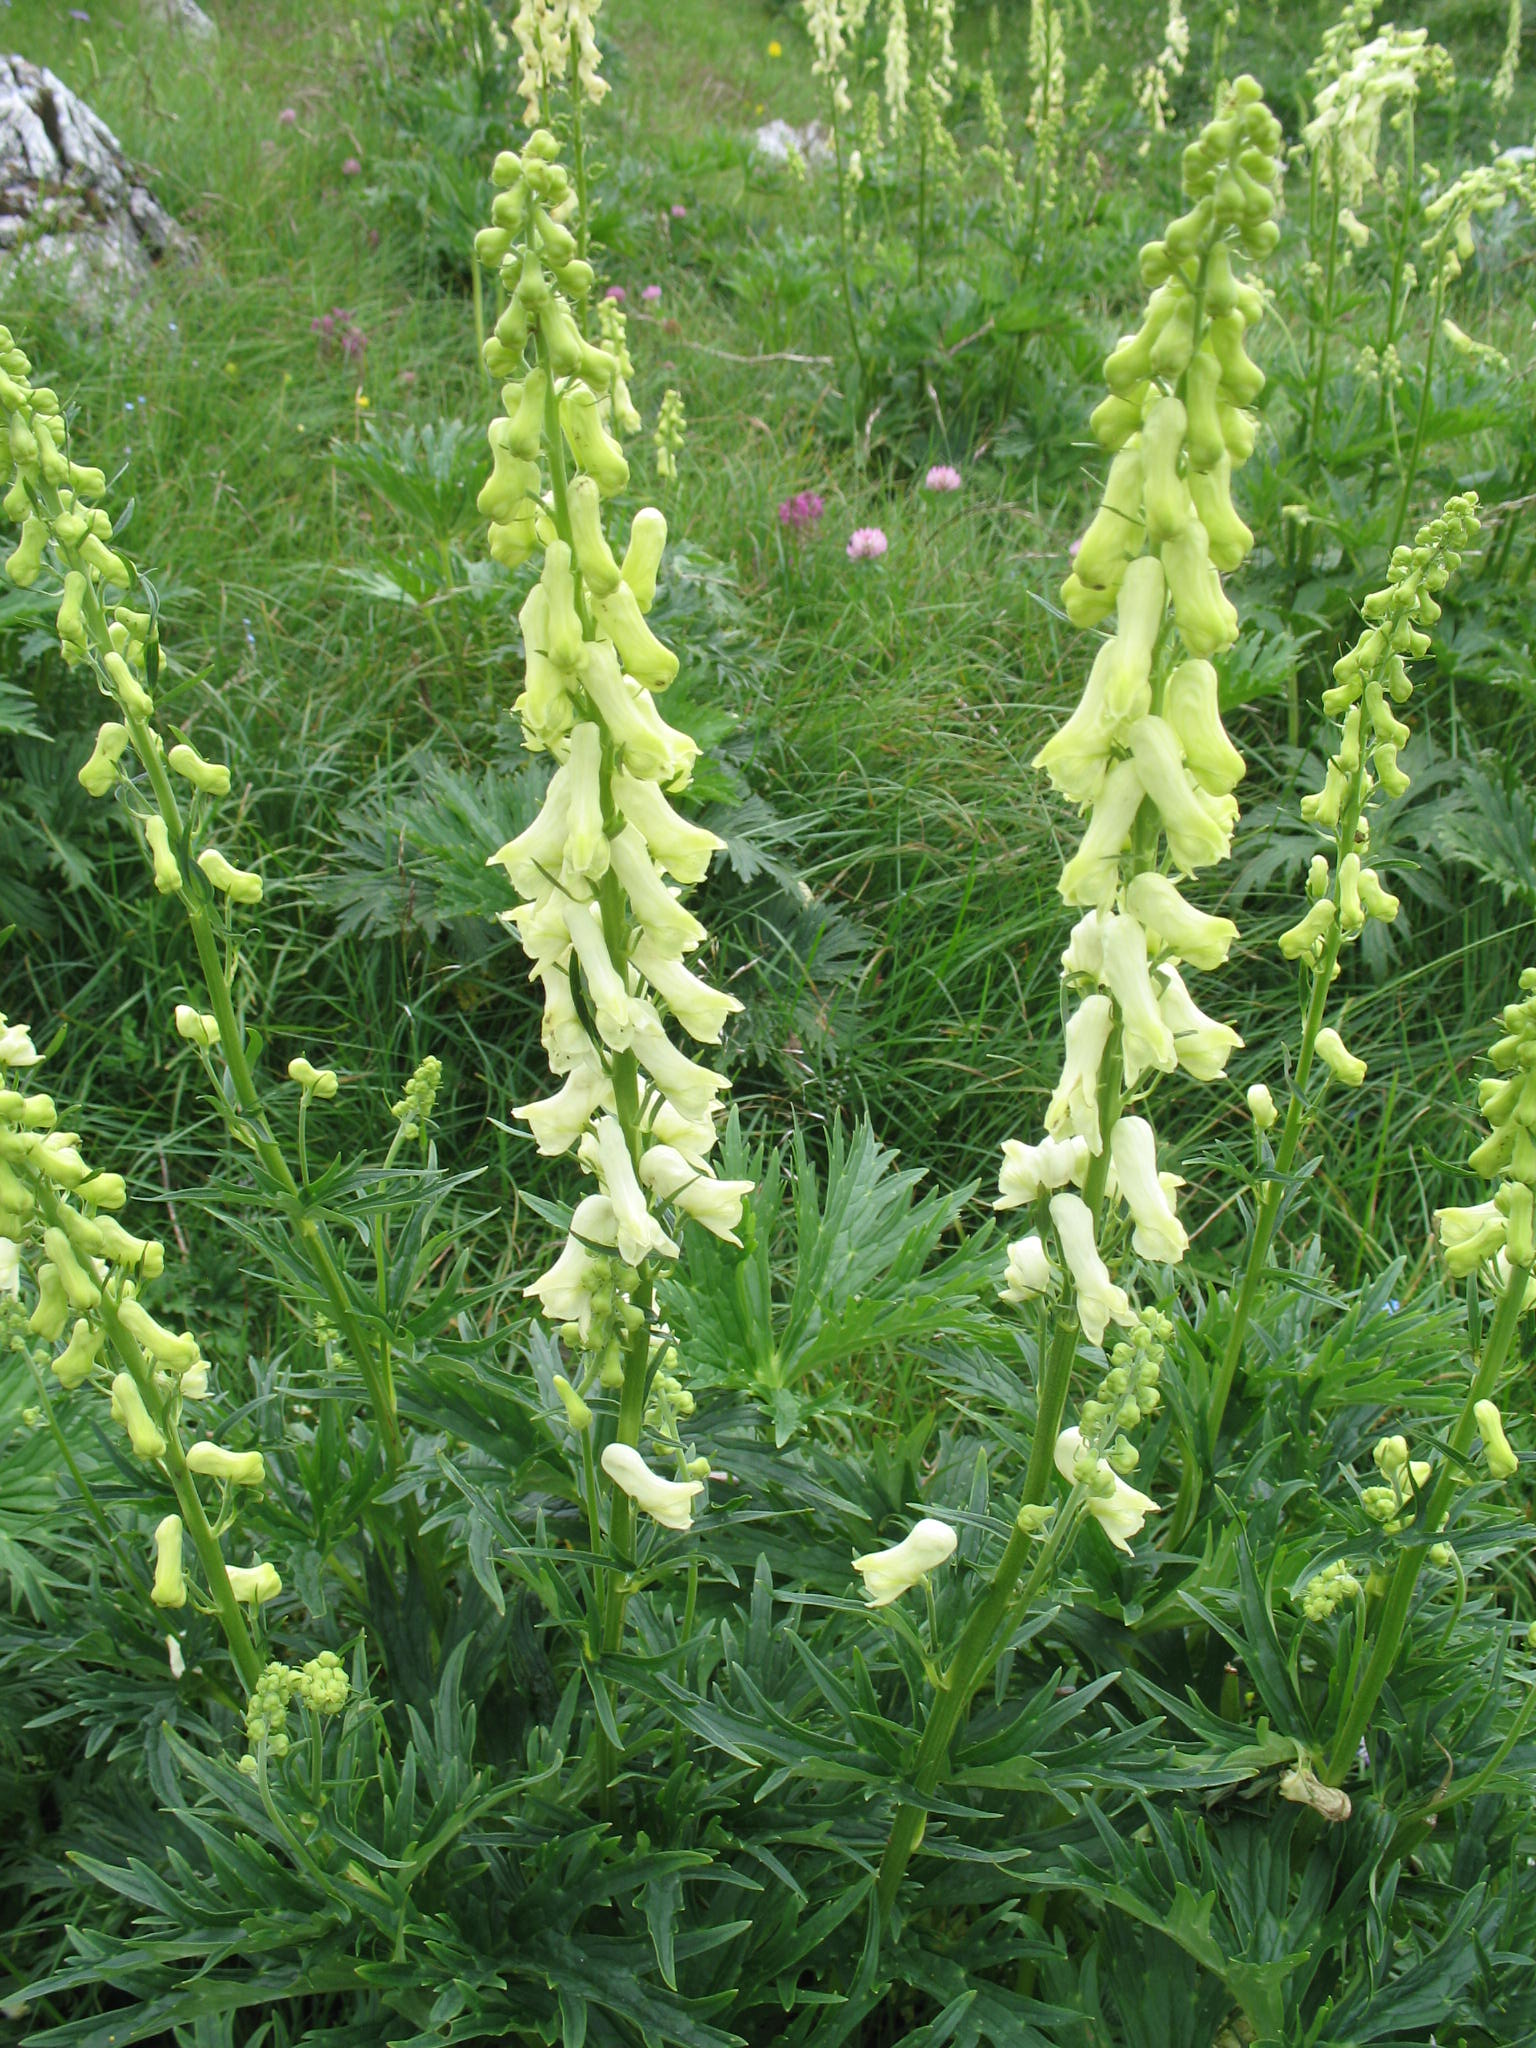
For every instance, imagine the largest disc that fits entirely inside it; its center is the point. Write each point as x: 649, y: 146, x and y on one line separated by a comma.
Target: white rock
x: 70, y: 201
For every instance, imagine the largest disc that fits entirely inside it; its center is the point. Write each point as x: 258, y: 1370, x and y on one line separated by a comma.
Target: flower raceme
x: 599, y: 872
x: 86, y: 1274
x: 1145, y: 754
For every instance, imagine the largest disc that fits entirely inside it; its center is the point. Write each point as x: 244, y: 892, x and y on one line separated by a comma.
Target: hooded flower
x: 1118, y: 1508
x: 887, y: 1574
x: 668, y: 1501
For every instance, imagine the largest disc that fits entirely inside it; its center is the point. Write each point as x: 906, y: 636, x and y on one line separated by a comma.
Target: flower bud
x: 197, y: 1027
x: 80, y: 1289
x: 52, y: 1311
x: 1336, y: 1057
x: 170, y: 1587
x: 236, y: 1468
x: 128, y: 1408
x: 1502, y: 1462
x: 577, y: 1413
x: 253, y: 1583
x: 1306, y: 938
x: 167, y: 871
x: 100, y: 772
x: 1261, y: 1107
x: 594, y: 557
x: 238, y: 884
x: 161, y: 1344
x: 76, y: 1362
x: 211, y: 777
x: 642, y: 558
x: 321, y: 1082
x: 593, y: 447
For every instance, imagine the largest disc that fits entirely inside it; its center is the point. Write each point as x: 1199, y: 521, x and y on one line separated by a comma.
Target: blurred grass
x: 909, y: 693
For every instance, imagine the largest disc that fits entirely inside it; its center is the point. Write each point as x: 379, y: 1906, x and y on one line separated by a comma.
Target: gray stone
x: 70, y: 201
x: 185, y: 15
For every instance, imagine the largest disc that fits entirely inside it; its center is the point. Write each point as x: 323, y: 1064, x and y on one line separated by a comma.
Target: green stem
x: 978, y: 1647
x: 1325, y: 327
x: 1411, y: 467
x: 1393, y: 1618
x: 1263, y: 1236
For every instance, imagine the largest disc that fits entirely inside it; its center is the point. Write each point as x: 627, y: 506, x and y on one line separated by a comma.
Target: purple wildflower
x: 651, y: 294
x: 942, y: 477
x: 801, y: 511
x: 287, y: 117
x: 616, y: 291
x: 866, y: 544
x: 351, y: 168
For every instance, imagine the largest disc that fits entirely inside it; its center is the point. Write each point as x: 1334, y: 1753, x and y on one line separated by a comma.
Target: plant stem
x: 1411, y: 466
x: 977, y: 1650
x: 1261, y: 1240
x: 1393, y: 1618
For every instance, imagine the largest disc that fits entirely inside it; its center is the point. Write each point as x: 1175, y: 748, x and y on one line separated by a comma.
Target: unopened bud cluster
x: 1145, y: 753
x: 321, y: 1685
x: 1098, y: 1455
x: 597, y: 873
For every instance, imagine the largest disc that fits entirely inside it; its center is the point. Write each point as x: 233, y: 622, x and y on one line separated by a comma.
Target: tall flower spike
x: 63, y: 1245
x: 599, y: 915
x: 1497, y: 1234
x: 1371, y: 688
x: 1144, y: 753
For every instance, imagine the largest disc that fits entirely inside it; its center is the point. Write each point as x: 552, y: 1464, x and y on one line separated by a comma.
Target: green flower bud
x: 235, y: 1468
x: 131, y: 693
x: 321, y: 1684
x: 123, y: 1249
x: 1261, y: 1107
x: 170, y: 1587
x: 1336, y: 1057
x: 593, y: 556
x: 103, y: 1190
x: 523, y: 431
x: 80, y: 1289
x: 253, y: 1583
x: 52, y: 1310
x: 71, y: 619
x: 128, y: 1408
x: 513, y: 477
x: 211, y: 777
x: 321, y: 1082
x: 197, y: 1027
x: 77, y: 1361
x: 26, y: 559
x: 1305, y: 939
x: 593, y: 447
x: 643, y: 656
x: 238, y: 884
x: 100, y: 771
x: 167, y: 870
x: 642, y: 558
x: 162, y: 1345
x: 1501, y: 1460
x: 577, y: 1413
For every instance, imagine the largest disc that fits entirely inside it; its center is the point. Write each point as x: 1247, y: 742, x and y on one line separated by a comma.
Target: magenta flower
x: 801, y: 511
x: 651, y: 294
x: 942, y: 477
x: 351, y: 168
x: 866, y: 544
x: 679, y: 213
x: 616, y: 291
x: 287, y: 117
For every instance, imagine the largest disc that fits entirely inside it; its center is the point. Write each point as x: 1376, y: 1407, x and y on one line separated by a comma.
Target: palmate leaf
x: 833, y: 1271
